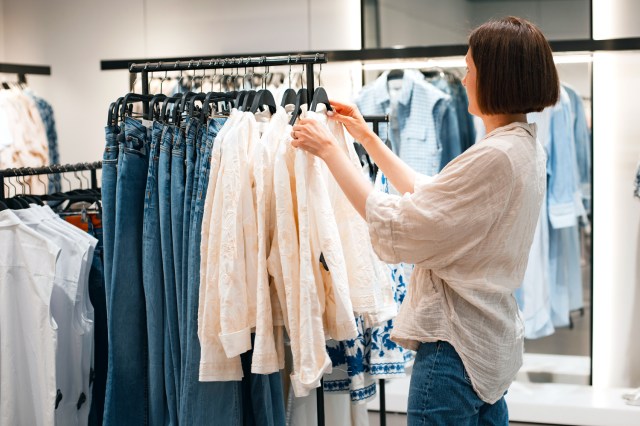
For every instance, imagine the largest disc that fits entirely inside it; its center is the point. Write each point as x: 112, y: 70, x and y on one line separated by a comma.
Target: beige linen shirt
x: 468, y: 230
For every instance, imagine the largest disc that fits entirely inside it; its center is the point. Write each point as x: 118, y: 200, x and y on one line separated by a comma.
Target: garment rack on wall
x: 49, y: 170
x: 22, y: 70
x: 144, y: 68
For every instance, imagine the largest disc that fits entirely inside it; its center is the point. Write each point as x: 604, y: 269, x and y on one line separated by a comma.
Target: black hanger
x: 165, y: 104
x: 320, y: 97
x: 215, y: 97
x: 248, y: 100
x: 288, y: 97
x: 154, y: 108
x: 301, y: 99
x: 395, y: 75
x: 13, y: 204
x: 131, y: 98
x: 264, y: 97
x: 110, y: 114
x: 239, y: 99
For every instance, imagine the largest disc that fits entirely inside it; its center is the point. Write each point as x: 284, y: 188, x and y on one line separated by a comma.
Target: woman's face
x: 469, y: 82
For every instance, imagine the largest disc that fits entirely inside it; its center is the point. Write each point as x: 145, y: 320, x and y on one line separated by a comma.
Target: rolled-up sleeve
x: 446, y: 216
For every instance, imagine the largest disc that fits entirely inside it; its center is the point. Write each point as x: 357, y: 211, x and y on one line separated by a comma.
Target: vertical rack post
x: 310, y: 82
x: 94, y: 179
x: 2, y: 196
x: 320, y: 390
x: 376, y: 120
x: 144, y: 75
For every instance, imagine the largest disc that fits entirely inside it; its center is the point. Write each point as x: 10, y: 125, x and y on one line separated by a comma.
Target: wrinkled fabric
x: 468, y: 230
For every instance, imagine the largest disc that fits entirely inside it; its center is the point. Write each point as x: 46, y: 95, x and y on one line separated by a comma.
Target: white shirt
x: 370, y: 284
x: 265, y: 359
x: 214, y: 363
x: 63, y: 308
x: 28, y: 336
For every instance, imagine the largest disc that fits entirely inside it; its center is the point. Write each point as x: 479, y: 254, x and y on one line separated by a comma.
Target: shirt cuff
x: 236, y: 343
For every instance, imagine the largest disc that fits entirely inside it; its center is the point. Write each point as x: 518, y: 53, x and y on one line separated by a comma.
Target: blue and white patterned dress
x: 372, y: 355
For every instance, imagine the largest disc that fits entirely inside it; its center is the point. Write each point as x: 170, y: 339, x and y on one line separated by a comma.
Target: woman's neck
x: 492, y: 122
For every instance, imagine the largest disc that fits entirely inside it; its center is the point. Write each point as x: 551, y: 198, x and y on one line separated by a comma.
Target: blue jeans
x: 108, y: 188
x: 127, y: 384
x: 172, y: 339
x: 192, y: 133
x: 101, y: 346
x: 262, y: 395
x: 203, y: 401
x: 177, y: 203
x: 441, y: 392
x: 152, y: 280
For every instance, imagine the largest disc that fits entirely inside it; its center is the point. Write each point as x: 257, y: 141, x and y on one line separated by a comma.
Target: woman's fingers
x: 342, y: 108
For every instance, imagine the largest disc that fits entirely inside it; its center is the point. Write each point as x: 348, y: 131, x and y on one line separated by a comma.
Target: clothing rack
x: 376, y: 120
x: 144, y: 68
x: 48, y: 170
x: 22, y: 70
x: 309, y: 60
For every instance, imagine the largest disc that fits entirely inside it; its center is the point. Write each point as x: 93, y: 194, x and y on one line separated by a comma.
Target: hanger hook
x: 289, y: 62
x: 319, y: 70
x: 37, y: 175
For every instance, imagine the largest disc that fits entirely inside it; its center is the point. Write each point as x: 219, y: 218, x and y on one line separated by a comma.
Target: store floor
x: 401, y: 420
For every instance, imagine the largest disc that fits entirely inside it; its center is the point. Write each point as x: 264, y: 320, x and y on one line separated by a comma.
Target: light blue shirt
x: 420, y: 114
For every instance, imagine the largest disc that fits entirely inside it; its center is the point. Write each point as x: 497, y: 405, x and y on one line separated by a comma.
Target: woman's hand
x: 351, y: 118
x: 314, y: 137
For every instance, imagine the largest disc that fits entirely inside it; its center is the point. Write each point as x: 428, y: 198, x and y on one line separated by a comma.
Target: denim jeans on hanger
x: 127, y: 378
x: 177, y: 204
x: 192, y: 133
x: 262, y: 395
x: 202, y: 401
x: 152, y: 273
x: 172, y: 339
x: 108, y: 189
x: 101, y: 345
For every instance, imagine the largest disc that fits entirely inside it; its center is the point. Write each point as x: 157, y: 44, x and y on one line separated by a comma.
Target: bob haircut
x: 515, y: 69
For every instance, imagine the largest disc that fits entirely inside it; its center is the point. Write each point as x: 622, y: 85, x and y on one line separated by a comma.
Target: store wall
x: 74, y: 36
x: 420, y: 23
x: 560, y: 19
x: 616, y: 19
x: 1, y: 31
x: 434, y: 22
x: 616, y: 231
x: 616, y: 235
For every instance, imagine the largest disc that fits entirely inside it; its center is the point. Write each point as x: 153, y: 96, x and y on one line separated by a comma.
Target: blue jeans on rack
x: 262, y: 395
x: 441, y: 394
x: 172, y: 338
x: 177, y: 203
x: 203, y: 401
x: 108, y: 189
x: 97, y: 295
x: 152, y: 270
x: 192, y: 133
x: 127, y: 378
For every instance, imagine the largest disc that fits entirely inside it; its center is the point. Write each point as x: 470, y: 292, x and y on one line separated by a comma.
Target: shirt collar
x: 381, y: 88
x: 9, y: 218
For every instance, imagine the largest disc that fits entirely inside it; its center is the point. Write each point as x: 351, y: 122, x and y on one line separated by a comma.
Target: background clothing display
x: 53, y: 363
x: 429, y: 125
x: 552, y: 287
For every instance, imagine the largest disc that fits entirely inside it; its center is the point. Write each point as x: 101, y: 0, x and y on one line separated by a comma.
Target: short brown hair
x: 515, y: 69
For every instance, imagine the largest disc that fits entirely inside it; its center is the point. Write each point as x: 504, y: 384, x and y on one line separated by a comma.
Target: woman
x: 468, y: 229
